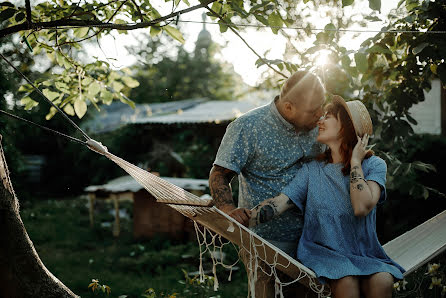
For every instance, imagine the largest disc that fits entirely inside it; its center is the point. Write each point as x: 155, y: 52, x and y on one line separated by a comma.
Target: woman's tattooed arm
x: 270, y: 208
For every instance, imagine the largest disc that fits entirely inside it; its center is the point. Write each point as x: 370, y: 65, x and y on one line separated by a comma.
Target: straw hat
x: 358, y: 114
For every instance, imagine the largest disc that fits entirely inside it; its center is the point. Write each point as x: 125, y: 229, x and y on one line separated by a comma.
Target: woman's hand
x: 360, y: 150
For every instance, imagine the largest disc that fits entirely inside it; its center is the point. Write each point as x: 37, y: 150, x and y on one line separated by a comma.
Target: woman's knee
x: 345, y: 287
x: 378, y: 285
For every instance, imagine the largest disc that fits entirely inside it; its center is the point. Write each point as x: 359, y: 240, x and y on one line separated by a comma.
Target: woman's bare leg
x: 378, y: 285
x: 346, y: 287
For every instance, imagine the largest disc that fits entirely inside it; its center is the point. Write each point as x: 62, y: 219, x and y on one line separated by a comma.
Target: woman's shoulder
x: 314, y: 165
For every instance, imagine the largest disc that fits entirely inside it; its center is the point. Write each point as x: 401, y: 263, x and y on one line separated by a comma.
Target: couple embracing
x: 309, y: 185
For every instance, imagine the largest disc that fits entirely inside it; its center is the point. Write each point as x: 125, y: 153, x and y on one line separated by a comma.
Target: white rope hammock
x: 411, y: 250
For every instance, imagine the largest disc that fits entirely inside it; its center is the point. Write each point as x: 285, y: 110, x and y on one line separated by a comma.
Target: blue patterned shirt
x: 266, y: 152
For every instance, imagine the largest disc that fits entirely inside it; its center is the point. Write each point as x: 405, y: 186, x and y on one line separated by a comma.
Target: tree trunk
x: 22, y: 273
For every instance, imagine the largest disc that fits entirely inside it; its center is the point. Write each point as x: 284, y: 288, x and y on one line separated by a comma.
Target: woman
x: 338, y: 193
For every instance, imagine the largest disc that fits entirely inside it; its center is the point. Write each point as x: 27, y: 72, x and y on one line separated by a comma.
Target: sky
x: 234, y: 50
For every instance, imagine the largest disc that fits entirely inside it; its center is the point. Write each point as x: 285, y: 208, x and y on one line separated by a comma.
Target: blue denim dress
x: 335, y: 243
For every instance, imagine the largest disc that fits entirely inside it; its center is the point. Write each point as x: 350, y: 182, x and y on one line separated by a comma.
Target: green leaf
x: 347, y: 2
x: 93, y: 89
x: 154, y: 31
x: 68, y: 108
x: 25, y: 88
x: 80, y: 108
x: 117, y: 87
x: 372, y: 18
x: 419, y: 48
x: 411, y: 119
x: 87, y: 81
x: 411, y: 4
x: 275, y: 22
x: 361, y: 62
x: 61, y: 86
x: 19, y: 17
x: 51, y: 113
x: 377, y: 48
x: 174, y: 33
x: 106, y: 97
x: 433, y: 68
x: 345, y: 60
x: 127, y: 101
x: 81, y: 32
x: 306, y: 1
x: 216, y: 6
x: 132, y: 83
x: 121, y: 22
x: 6, y: 14
x: 28, y: 102
x: 6, y: 4
x: 223, y: 26
x: 375, y: 4
x: 187, y: 2
x: 51, y: 95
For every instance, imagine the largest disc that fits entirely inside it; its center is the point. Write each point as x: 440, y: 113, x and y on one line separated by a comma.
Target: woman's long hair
x: 348, y: 137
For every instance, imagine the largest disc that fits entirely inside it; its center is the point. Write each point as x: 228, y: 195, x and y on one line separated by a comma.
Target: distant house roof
x: 185, y: 111
x: 428, y: 112
x: 127, y: 183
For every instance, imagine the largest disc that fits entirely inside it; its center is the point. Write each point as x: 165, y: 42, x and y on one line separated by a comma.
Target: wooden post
x: 91, y: 198
x: 116, y: 226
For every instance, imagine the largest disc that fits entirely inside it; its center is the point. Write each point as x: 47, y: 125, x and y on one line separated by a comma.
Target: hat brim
x: 342, y: 102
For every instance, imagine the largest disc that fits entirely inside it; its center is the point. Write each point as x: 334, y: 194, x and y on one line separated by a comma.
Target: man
x: 265, y: 147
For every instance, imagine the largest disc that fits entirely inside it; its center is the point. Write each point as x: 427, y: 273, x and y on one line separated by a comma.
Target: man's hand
x: 242, y: 215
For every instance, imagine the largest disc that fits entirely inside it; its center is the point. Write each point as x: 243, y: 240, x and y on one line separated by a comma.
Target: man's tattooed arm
x: 270, y: 208
x: 220, y: 186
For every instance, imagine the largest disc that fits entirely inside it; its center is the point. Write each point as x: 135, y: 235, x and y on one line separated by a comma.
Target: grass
x: 76, y: 254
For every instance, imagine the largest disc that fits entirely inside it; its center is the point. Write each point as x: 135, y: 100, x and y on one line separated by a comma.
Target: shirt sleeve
x: 376, y: 171
x: 236, y: 147
x: 297, y: 189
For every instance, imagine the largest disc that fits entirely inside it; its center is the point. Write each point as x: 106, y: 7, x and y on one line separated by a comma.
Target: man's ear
x: 288, y: 106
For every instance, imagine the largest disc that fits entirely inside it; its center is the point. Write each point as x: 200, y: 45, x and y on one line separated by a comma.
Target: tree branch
x: 28, y: 14
x: 86, y: 23
x: 246, y: 43
x: 139, y: 11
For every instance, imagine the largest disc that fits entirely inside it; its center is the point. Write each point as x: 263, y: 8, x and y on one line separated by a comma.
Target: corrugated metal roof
x: 207, y: 112
x: 127, y: 183
x: 185, y: 111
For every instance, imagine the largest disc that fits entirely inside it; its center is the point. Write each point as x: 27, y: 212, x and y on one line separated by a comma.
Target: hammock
x: 411, y: 250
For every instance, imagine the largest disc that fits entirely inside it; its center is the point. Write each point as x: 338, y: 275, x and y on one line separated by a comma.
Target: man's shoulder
x: 254, y: 115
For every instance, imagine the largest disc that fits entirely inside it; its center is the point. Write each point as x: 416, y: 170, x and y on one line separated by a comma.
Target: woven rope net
x: 215, y: 229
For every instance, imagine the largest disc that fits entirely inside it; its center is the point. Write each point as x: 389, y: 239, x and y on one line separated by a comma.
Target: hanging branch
x: 93, y: 24
x: 246, y: 43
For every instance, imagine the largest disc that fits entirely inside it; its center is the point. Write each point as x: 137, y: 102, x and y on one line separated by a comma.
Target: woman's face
x: 329, y: 128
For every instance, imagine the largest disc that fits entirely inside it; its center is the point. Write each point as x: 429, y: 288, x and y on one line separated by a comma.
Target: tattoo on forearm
x: 266, y: 213
x: 355, y: 176
x: 219, y: 184
x: 360, y: 187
